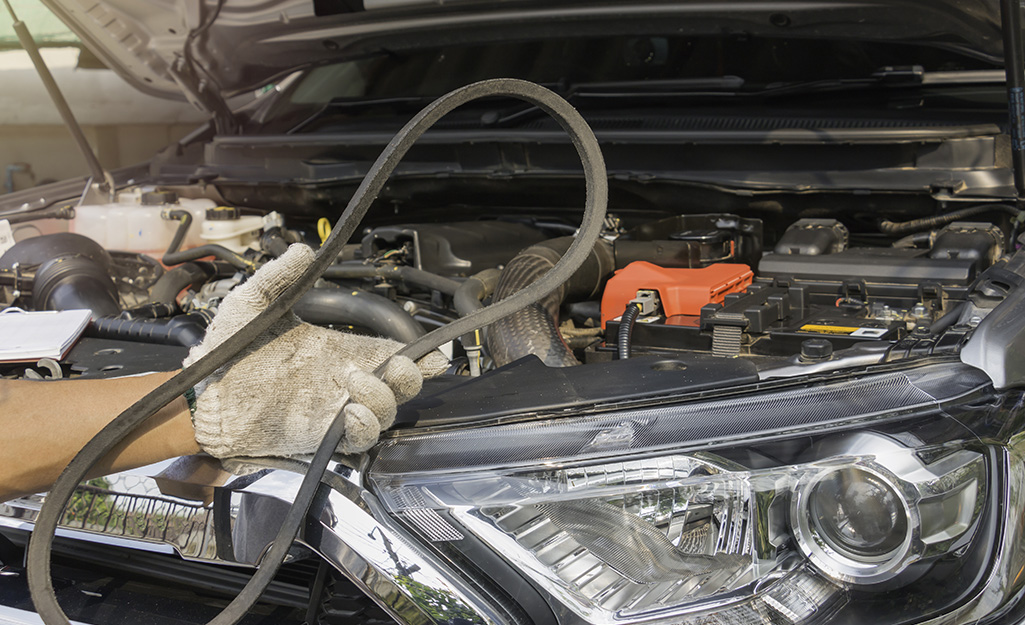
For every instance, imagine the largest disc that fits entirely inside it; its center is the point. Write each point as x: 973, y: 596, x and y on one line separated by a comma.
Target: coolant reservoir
x: 134, y: 224
x: 225, y: 226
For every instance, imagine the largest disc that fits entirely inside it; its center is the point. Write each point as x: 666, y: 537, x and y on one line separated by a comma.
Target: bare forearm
x: 46, y: 423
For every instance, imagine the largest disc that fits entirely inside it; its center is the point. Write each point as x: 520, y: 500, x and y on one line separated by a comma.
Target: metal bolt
x: 410, y: 307
x: 974, y: 321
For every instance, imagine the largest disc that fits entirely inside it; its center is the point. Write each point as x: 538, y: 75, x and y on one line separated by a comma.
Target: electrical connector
x: 648, y: 301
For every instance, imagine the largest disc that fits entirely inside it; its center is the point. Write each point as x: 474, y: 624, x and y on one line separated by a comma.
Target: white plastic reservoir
x: 131, y: 226
x: 231, y: 230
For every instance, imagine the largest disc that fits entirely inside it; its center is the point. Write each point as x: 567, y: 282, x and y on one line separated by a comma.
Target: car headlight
x: 867, y: 522
x: 638, y: 527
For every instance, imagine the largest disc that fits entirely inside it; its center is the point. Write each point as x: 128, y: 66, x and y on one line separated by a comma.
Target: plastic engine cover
x: 682, y: 291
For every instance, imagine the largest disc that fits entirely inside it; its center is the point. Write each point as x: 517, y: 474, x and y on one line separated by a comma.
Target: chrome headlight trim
x: 345, y: 526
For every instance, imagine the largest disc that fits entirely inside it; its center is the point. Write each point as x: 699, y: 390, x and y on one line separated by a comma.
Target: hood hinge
x: 203, y: 95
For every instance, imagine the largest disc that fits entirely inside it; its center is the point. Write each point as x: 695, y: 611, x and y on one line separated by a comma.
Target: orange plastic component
x: 682, y: 291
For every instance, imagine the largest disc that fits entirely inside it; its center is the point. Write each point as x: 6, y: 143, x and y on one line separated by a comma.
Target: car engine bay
x: 609, y: 325
x: 761, y: 362
x: 816, y: 296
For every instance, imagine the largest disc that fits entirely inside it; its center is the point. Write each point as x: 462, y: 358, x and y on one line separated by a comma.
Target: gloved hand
x: 279, y: 395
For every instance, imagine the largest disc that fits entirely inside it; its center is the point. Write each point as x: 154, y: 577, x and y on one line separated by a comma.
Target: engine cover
x: 681, y: 291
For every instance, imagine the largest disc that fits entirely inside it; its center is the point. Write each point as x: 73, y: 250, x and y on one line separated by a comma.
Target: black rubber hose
x: 626, y: 331
x: 358, y: 308
x: 185, y: 330
x: 152, y: 310
x: 401, y: 273
x: 169, y: 285
x: 596, y: 182
x: 175, y: 257
x: 947, y: 320
x: 211, y: 249
x: 926, y: 223
x: 467, y: 298
x: 535, y: 329
x: 53, y: 212
x: 185, y: 220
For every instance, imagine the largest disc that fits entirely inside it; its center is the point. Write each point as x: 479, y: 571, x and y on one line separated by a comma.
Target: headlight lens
x: 867, y: 523
x: 637, y: 538
x: 858, y: 514
x: 854, y: 498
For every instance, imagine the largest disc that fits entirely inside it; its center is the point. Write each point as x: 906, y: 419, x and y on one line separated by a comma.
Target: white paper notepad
x: 39, y: 334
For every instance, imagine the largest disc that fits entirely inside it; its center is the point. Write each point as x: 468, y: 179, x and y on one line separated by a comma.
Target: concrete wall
x: 51, y: 155
x: 123, y: 125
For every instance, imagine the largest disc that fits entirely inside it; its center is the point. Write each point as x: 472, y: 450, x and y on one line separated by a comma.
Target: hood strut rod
x: 101, y: 180
x: 1014, y: 66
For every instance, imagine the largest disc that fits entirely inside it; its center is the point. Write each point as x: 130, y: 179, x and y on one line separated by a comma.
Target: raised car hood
x: 254, y: 42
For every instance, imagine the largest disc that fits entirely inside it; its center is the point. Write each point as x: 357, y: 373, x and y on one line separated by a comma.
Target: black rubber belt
x: 39, y: 577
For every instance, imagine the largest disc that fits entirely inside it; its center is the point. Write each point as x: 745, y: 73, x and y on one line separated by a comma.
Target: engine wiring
x: 40, y: 545
x: 194, y: 35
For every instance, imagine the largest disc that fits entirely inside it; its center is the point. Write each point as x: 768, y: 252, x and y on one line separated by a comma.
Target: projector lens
x: 858, y: 514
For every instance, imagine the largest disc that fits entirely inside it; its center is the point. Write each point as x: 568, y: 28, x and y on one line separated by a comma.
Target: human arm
x: 275, y: 399
x: 47, y: 422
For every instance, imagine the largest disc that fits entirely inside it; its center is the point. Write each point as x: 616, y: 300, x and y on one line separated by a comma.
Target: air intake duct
x: 535, y: 329
x: 71, y: 272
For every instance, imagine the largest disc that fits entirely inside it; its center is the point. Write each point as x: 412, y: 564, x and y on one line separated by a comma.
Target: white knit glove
x: 279, y: 395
